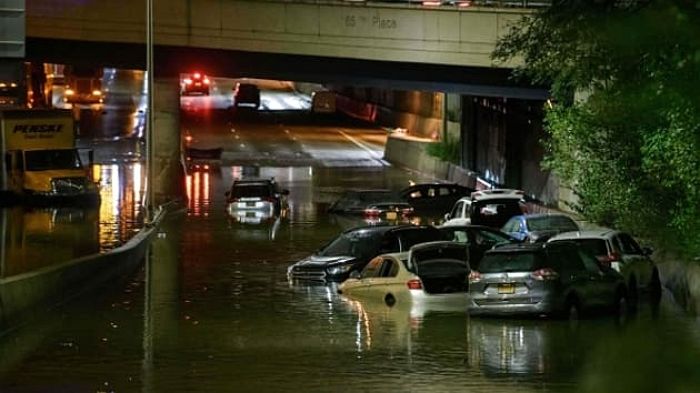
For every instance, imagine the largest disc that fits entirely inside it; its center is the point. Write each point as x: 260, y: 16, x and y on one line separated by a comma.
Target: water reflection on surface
x: 37, y: 237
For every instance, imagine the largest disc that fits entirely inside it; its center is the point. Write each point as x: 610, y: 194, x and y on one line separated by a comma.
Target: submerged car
x: 196, y: 83
x: 354, y: 248
x: 621, y: 252
x: 434, y: 197
x: 246, y: 95
x: 538, y: 227
x: 358, y: 201
x: 491, y: 208
x: 388, y: 212
x: 550, y: 279
x: 477, y: 238
x: 428, y: 272
x: 255, y: 199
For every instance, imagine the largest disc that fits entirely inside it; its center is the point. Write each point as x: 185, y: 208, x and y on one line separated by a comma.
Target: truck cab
x: 41, y: 162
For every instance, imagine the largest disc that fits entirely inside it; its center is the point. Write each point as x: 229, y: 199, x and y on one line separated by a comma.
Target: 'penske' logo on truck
x: 38, y: 128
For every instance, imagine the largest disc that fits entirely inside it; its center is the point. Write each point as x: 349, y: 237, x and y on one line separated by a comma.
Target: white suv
x: 491, y: 208
x: 621, y: 252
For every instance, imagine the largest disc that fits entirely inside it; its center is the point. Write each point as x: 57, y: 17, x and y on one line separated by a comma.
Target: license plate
x: 250, y: 204
x: 506, y: 288
x: 391, y: 215
x: 250, y: 214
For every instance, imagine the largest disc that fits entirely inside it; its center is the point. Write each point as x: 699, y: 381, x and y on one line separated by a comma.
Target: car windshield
x: 251, y: 190
x: 549, y: 223
x: 497, y: 262
x: 356, y: 244
x: 44, y: 160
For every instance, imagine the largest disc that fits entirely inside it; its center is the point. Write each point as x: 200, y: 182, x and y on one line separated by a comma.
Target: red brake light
x: 372, y: 212
x: 545, y: 274
x: 407, y: 211
x: 474, y: 276
x: 197, y: 75
x: 414, y: 284
x: 206, y: 81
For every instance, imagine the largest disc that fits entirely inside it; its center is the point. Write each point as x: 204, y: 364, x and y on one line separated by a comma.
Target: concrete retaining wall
x: 47, y: 287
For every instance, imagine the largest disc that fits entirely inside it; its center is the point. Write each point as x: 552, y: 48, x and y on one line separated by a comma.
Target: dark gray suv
x: 552, y: 279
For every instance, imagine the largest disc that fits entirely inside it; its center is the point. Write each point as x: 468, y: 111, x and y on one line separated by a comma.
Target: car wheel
x: 655, y: 286
x: 389, y: 300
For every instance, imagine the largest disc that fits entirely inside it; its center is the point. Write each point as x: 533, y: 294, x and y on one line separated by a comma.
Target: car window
x: 457, y: 210
x: 373, y: 268
x: 557, y: 223
x: 487, y: 237
x: 628, y: 245
x: 565, y: 260
x: 251, y: 190
x: 444, y: 191
x: 511, y: 225
x: 357, y: 244
x: 589, y: 261
x: 456, y: 235
x: 415, y: 194
x: 431, y: 192
x: 410, y: 237
x: 389, y: 243
x: 496, y: 262
x: 389, y: 268
x: 597, y: 247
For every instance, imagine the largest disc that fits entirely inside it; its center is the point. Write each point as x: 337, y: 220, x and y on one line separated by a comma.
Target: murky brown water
x: 213, y: 312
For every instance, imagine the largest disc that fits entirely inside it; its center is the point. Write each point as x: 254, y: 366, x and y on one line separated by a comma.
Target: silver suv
x: 554, y: 279
x: 619, y: 251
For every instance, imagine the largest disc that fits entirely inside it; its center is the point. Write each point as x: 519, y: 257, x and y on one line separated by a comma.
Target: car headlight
x: 339, y: 269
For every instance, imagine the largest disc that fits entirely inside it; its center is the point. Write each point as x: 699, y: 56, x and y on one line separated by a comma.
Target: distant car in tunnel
x: 246, y: 95
x: 196, y: 83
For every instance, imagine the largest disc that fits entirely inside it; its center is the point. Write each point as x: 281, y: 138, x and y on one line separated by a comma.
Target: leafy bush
x: 445, y: 150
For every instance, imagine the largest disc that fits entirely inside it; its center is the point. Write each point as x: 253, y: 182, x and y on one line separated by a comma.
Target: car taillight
x: 545, y: 274
x: 197, y: 75
x: 474, y: 276
x: 206, y: 81
x: 372, y: 212
x: 407, y: 211
x: 414, y: 284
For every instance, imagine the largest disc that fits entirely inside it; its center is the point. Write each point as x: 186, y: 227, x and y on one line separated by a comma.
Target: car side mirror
x: 647, y: 251
x: 356, y: 275
x: 446, y: 216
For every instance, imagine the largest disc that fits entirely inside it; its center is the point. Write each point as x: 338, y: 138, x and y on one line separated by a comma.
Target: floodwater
x: 212, y: 311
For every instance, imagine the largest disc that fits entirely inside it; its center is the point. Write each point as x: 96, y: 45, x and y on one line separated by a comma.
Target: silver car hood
x: 319, y: 260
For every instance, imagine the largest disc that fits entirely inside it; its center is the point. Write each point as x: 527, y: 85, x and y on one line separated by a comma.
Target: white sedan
x: 433, y: 275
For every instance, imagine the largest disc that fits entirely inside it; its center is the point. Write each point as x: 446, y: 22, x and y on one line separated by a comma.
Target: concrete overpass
x: 321, y: 41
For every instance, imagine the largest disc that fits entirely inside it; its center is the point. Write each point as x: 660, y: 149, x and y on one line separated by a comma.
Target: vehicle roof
x: 604, y: 233
x: 382, y: 228
x: 503, y: 193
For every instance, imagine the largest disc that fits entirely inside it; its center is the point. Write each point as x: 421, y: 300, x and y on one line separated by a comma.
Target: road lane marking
x: 364, y: 147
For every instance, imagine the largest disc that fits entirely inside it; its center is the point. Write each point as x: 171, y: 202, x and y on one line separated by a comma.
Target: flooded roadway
x: 212, y: 311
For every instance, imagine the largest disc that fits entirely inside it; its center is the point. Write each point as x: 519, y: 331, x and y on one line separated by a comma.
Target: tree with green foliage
x: 631, y: 149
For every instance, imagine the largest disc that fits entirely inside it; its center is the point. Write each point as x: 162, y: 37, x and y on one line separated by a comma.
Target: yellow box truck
x: 41, y: 163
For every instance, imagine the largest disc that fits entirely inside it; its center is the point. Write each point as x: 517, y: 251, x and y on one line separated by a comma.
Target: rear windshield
x: 549, y: 223
x: 501, y: 207
x: 511, y: 262
x: 252, y: 190
x: 360, y: 245
x: 596, y: 247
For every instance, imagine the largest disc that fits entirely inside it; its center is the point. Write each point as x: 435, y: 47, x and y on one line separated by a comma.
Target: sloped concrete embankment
x: 23, y: 294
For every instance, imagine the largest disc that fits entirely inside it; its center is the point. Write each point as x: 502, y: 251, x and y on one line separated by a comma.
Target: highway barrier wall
x: 23, y: 294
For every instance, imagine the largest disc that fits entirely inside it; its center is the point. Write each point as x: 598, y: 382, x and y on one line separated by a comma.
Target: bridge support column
x: 168, y: 170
